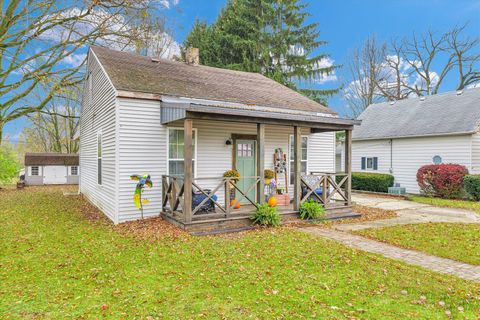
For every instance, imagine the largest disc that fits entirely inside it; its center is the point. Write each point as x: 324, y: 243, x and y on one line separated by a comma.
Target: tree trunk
x: 1, y: 132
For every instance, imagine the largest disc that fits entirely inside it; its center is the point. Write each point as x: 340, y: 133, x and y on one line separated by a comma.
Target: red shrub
x: 442, y: 180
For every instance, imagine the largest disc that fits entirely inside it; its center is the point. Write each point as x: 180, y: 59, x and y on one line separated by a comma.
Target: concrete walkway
x: 408, y: 213
x: 441, y: 265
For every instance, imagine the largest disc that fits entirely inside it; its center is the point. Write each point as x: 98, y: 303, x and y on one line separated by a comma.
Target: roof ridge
x: 429, y: 97
x: 136, y: 73
x: 181, y: 63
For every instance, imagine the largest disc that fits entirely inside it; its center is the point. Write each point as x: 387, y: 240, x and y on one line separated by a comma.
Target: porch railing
x: 214, y: 189
x: 333, y: 188
x: 216, y: 192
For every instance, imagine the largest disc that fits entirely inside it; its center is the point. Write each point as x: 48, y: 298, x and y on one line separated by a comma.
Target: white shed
x: 139, y: 116
x: 400, y: 137
x: 51, y: 168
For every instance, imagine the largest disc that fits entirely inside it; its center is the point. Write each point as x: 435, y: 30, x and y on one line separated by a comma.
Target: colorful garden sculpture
x: 137, y: 196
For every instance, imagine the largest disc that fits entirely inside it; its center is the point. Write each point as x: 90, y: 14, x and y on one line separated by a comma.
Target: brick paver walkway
x: 442, y: 265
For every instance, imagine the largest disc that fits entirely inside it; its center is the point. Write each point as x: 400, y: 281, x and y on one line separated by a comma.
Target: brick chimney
x: 192, y: 56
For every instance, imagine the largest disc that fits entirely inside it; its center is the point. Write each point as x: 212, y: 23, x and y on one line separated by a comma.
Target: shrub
x: 376, y: 182
x: 441, y: 180
x: 266, y: 216
x: 311, y: 210
x: 8, y: 164
x: 471, y: 182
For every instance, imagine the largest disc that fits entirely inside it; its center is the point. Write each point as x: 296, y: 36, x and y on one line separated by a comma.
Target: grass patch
x: 450, y: 203
x: 55, y: 263
x: 448, y: 240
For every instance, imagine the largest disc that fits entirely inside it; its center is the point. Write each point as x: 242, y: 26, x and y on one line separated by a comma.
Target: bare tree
x: 415, y: 66
x: 465, y: 57
x: 39, y: 40
x: 55, y: 128
x: 365, y: 73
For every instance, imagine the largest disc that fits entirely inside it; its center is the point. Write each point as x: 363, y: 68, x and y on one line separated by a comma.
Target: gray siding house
x: 51, y: 168
x: 400, y: 137
x: 185, y: 124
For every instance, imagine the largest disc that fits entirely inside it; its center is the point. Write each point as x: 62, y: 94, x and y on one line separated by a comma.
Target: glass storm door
x: 245, y: 164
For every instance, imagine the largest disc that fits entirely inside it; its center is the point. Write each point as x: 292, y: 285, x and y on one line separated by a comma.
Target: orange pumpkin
x: 235, y: 204
x: 272, y: 202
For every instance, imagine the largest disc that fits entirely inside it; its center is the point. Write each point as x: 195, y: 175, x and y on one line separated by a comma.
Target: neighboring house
x: 185, y: 124
x: 400, y: 137
x: 51, y: 168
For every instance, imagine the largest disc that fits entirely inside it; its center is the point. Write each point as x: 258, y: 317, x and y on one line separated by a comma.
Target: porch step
x: 243, y: 223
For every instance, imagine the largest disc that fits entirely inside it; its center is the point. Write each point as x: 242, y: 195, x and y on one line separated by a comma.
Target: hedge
x: 376, y: 182
x: 471, y: 183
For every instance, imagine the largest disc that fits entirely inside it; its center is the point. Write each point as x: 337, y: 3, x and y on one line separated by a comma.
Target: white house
x: 51, y: 168
x: 400, y: 137
x: 140, y: 115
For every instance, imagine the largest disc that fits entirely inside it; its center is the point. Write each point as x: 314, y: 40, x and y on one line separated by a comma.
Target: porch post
x: 348, y: 165
x: 297, y: 190
x: 261, y: 162
x: 187, y: 169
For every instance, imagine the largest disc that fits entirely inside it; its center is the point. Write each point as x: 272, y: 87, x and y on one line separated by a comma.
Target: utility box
x: 397, y: 190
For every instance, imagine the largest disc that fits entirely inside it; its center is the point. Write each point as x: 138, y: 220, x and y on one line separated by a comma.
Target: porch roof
x: 174, y: 111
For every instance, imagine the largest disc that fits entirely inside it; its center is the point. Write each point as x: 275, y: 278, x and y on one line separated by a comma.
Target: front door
x: 245, y: 164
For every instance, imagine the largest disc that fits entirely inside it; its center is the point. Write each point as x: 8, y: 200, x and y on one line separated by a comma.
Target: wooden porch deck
x: 239, y: 220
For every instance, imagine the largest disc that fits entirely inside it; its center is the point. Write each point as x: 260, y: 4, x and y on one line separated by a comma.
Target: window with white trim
x: 303, y: 158
x: 369, y: 163
x: 175, y: 151
x: 74, y: 171
x: 99, y: 157
x: 35, y: 171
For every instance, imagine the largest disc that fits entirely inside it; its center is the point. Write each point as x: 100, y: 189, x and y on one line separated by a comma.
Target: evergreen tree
x: 266, y: 36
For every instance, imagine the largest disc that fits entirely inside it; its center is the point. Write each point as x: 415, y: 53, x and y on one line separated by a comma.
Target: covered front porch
x: 204, y: 202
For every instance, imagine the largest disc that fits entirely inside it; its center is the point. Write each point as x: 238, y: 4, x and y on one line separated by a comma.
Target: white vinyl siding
x: 409, y: 154
x: 143, y: 149
x: 475, y: 153
x: 98, y: 114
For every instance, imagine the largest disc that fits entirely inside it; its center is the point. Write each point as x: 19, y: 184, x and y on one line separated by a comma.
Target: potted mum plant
x: 232, y: 173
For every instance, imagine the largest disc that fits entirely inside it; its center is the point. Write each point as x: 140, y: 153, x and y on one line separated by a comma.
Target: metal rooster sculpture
x: 137, y: 196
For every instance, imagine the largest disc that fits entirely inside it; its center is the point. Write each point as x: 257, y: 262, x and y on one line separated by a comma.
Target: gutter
x: 416, y: 136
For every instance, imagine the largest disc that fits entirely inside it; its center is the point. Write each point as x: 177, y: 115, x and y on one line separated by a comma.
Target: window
x: 99, y: 158
x: 34, y: 171
x: 74, y: 171
x: 245, y: 150
x: 369, y: 163
x: 175, y: 151
x: 437, y: 160
x: 304, y: 158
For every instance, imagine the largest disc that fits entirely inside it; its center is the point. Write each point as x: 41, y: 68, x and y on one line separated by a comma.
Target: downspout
x: 391, y: 156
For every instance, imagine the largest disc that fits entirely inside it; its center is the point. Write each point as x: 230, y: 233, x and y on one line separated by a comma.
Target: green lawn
x: 56, y: 264
x: 449, y: 240
x: 451, y: 203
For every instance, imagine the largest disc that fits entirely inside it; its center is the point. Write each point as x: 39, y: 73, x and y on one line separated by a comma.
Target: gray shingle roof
x: 135, y: 73
x: 441, y: 114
